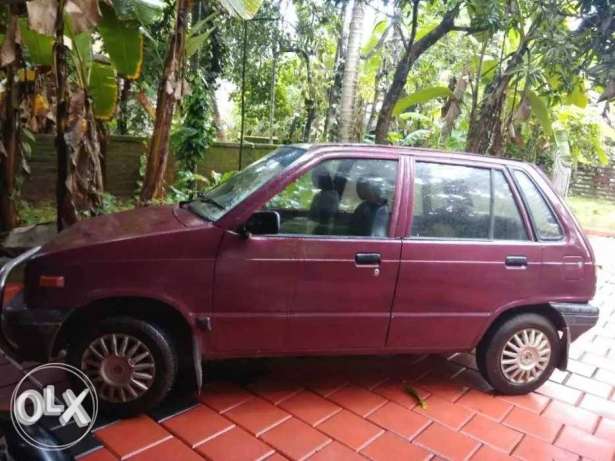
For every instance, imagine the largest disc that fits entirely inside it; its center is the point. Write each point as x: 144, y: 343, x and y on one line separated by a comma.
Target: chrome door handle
x: 516, y: 261
x: 367, y: 259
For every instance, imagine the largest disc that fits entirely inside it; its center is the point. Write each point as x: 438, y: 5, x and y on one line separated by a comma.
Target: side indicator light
x: 51, y: 281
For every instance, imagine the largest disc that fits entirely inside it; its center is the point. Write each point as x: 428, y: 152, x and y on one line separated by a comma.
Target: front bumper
x: 26, y: 334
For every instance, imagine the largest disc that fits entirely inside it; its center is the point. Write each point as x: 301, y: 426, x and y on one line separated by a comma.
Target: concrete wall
x: 122, y: 164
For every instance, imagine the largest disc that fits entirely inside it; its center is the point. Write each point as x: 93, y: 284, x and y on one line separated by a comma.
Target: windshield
x: 221, y: 199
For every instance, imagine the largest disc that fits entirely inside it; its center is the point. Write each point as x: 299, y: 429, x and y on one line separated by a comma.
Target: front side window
x: 461, y: 202
x: 343, y: 197
x: 545, y: 223
x: 221, y: 199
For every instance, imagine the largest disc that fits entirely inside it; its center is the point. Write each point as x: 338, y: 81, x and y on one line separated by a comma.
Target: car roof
x: 357, y: 148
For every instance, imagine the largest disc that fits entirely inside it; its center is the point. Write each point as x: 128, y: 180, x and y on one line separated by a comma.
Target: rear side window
x: 507, y: 222
x: 461, y: 202
x: 545, y: 224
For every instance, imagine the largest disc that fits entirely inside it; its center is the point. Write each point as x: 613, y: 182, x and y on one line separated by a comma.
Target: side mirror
x: 263, y: 222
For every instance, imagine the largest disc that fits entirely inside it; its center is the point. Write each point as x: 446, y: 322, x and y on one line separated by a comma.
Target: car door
x: 342, y: 215
x: 469, y: 251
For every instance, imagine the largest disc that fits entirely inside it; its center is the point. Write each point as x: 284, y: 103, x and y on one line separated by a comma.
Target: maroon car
x: 327, y: 249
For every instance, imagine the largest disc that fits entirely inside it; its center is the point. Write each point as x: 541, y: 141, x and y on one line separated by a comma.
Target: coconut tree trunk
x: 413, y: 51
x: 351, y: 72
x: 10, y: 131
x: 170, y: 90
x: 335, y: 89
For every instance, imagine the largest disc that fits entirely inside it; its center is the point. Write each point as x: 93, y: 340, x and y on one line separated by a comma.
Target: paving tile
x: 324, y: 385
x: 310, y: 407
x: 473, y: 380
x: 100, y: 454
x: 197, y: 425
x: 358, y: 400
x: 295, y: 439
x: 581, y: 368
x: 486, y: 404
x: 235, y: 445
x: 530, y: 423
x: 532, y: 449
x: 571, y: 415
x: 599, y: 406
x: 493, y: 434
x: 606, y: 429
x: 586, y: 445
x: 351, y: 430
x: 560, y: 392
x: 222, y: 396
x: 257, y: 415
x: 169, y: 449
x: 559, y: 376
x: 274, y: 390
x: 276, y: 457
x: 449, y: 414
x: 533, y: 402
x: 590, y: 385
x: 399, y: 420
x: 129, y: 436
x: 598, y: 361
x: 486, y: 453
x: 335, y: 451
x: 396, y: 392
x: 605, y: 376
x: 446, y: 443
x: 445, y: 389
x: 392, y: 447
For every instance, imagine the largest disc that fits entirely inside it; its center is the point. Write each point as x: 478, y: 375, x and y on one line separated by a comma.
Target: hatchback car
x: 315, y: 250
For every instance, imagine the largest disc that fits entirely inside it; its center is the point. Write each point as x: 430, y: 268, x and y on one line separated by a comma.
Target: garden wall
x: 594, y: 182
x: 122, y: 164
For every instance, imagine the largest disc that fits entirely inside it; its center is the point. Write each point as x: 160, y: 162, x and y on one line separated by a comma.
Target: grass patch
x: 594, y: 213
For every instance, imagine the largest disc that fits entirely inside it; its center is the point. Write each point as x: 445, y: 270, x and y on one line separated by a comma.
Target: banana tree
x: 60, y: 31
x: 170, y: 90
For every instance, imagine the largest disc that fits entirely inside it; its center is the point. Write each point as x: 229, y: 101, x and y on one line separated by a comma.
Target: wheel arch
x: 164, y: 315
x: 544, y: 310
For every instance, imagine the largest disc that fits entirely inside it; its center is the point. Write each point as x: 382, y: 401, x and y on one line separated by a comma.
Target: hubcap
x: 121, y: 367
x: 525, y: 356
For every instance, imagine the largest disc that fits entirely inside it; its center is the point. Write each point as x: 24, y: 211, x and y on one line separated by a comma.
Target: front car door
x: 469, y: 250
x: 342, y: 212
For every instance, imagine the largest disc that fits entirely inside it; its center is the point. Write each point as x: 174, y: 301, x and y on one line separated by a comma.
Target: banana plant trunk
x: 169, y: 92
x: 11, y: 135
x: 351, y: 72
x: 79, y: 185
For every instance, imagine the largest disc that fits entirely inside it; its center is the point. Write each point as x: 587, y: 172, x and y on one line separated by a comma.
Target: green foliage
x: 195, y: 131
x: 540, y: 110
x: 103, y: 90
x: 124, y: 43
x: 188, y: 184
x: 420, y: 97
x: 39, y: 47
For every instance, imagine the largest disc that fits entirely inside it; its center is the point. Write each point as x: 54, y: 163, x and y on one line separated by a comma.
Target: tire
x: 526, y: 368
x: 143, y: 353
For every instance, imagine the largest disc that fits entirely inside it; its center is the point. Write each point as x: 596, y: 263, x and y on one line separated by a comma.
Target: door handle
x: 516, y: 261
x: 367, y: 259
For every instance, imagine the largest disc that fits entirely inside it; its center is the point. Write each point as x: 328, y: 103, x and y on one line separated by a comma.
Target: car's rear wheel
x: 132, y: 364
x: 518, y: 355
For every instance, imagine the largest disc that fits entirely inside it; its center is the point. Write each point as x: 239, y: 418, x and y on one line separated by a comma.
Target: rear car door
x: 469, y: 251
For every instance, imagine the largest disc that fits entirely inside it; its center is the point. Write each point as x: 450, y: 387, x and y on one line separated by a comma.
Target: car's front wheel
x: 519, y: 355
x: 132, y: 364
